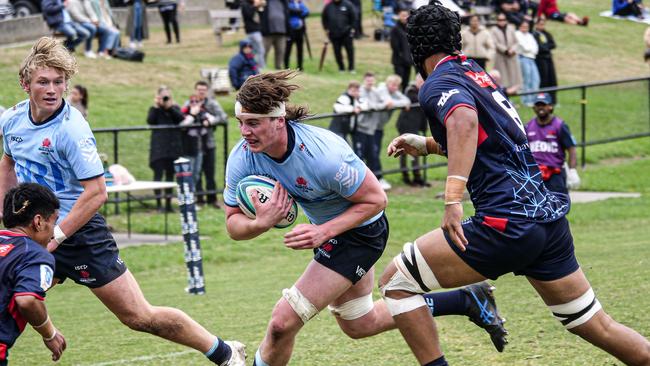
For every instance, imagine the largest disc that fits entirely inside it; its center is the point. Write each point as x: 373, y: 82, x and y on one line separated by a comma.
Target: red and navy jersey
x: 26, y: 269
x: 505, y: 181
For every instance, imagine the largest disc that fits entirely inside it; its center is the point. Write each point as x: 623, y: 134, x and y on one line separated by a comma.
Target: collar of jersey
x: 11, y: 233
x: 291, y: 143
x: 461, y: 56
x: 54, y: 115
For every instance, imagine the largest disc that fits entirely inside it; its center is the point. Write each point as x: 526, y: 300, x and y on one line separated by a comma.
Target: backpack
x: 128, y: 54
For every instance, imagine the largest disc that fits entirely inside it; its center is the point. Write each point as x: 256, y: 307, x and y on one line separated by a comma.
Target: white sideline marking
x: 141, y: 358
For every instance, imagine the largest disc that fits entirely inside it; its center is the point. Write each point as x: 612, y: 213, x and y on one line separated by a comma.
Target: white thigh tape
x: 578, y: 311
x: 411, y: 262
x: 396, y: 307
x: 300, y: 304
x: 353, y: 309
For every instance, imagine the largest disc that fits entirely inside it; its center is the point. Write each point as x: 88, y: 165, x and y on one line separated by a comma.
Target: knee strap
x: 353, y: 309
x: 299, y: 303
x: 578, y: 311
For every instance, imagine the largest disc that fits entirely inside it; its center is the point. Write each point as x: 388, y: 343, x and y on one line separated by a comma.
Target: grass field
x: 244, y: 279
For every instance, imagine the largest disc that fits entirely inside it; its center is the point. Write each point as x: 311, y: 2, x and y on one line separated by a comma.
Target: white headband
x: 279, y: 111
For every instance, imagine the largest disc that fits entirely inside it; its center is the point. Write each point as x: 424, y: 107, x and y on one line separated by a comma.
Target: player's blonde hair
x: 48, y: 52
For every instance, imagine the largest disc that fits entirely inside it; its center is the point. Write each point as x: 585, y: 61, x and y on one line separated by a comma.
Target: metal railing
x: 582, y: 143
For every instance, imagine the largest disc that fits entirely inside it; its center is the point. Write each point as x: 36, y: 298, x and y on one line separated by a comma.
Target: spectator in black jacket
x: 401, y: 58
x: 348, y: 102
x: 274, y: 21
x: 412, y: 120
x: 544, y: 58
x: 339, y: 18
x: 166, y: 145
x: 250, y: 11
x: 58, y: 19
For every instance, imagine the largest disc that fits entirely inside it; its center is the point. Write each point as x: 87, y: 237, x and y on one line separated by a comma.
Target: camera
x: 165, y: 98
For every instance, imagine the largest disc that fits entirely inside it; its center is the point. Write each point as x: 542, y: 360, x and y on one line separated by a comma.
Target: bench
x: 221, y: 21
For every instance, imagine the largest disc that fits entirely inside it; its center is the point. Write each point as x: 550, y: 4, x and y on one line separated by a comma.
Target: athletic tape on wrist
x: 59, y: 235
x: 51, y: 338
x: 454, y: 189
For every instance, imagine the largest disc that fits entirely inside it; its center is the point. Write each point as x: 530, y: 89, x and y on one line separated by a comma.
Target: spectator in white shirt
x: 527, y: 49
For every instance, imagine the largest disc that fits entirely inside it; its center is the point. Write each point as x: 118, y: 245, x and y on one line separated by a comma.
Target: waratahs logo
x: 302, y: 184
x: 46, y: 146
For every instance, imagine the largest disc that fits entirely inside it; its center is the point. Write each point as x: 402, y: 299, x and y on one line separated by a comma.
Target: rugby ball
x: 264, y: 187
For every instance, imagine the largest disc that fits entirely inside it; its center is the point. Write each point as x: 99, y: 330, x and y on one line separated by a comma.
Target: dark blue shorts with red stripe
x: 543, y: 251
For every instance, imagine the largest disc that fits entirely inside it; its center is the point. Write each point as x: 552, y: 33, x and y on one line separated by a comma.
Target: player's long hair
x: 262, y: 93
x: 24, y: 202
x: 47, y: 52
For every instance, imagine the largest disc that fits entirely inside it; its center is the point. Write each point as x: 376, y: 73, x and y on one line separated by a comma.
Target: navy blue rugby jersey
x: 505, y: 181
x: 26, y: 269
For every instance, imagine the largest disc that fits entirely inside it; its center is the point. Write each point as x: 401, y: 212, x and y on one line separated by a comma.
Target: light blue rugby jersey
x: 56, y: 154
x: 319, y: 173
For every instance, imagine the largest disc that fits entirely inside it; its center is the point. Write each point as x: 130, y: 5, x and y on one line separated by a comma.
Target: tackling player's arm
x: 369, y: 200
x: 88, y: 203
x: 414, y: 145
x: 8, y: 178
x: 462, y: 138
x: 35, y: 312
x: 240, y: 227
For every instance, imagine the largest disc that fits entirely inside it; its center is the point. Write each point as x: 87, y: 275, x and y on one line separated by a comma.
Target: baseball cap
x: 543, y: 98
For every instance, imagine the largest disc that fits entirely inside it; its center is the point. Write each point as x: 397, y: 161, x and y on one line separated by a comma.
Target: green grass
x: 245, y: 279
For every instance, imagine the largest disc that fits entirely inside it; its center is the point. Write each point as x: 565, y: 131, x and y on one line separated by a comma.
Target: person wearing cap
x: 549, y: 139
x: 243, y: 64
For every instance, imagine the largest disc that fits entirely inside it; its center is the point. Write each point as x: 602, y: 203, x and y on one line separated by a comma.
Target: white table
x: 139, y: 186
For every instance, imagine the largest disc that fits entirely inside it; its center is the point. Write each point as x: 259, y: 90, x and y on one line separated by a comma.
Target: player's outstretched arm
x: 414, y: 145
x: 8, y: 178
x: 462, y: 137
x: 88, y: 203
x: 35, y: 312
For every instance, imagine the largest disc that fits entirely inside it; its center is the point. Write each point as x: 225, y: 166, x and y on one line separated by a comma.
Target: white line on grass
x: 141, y: 358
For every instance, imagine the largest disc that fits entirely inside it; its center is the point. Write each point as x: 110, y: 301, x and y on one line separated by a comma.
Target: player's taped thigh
x: 353, y: 309
x: 299, y: 303
x: 412, y: 275
x: 578, y: 311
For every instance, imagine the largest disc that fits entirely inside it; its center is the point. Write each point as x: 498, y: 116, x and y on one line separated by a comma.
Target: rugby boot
x: 238, y: 356
x: 484, y: 313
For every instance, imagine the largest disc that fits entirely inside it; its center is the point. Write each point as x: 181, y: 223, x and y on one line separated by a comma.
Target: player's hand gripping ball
x: 264, y: 187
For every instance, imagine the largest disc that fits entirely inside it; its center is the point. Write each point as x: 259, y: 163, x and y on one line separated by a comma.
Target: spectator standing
x: 549, y: 137
x: 505, y: 59
x: 412, y: 120
x: 166, y: 144
x: 108, y: 25
x: 477, y: 42
x: 646, y: 39
x: 168, y: 10
x: 364, y: 132
x: 549, y: 9
x: 527, y: 49
x: 628, y: 7
x: 358, y: 24
x: 242, y: 65
x: 136, y: 23
x: 392, y: 98
x: 58, y: 19
x: 507, y: 92
x: 274, y: 21
x: 401, y: 58
x: 191, y: 137
x: 544, y: 59
x: 78, y: 98
x: 348, y: 102
x: 298, y: 11
x: 339, y: 17
x: 250, y: 10
x: 211, y: 115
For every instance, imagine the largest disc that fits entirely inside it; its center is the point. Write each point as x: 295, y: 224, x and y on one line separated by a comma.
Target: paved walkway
x: 582, y: 197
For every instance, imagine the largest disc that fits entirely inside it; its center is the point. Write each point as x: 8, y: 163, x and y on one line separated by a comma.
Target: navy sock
x: 438, y: 362
x: 453, y: 302
x: 219, y: 353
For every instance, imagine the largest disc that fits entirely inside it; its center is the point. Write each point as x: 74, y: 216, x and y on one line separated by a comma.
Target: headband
x: 279, y: 111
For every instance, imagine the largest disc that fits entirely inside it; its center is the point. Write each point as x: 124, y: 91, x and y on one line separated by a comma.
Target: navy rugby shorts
x: 352, y: 253
x: 90, y: 256
x: 543, y: 251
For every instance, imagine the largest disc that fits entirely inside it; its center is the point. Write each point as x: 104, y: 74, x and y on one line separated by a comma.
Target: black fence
x: 618, y: 114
